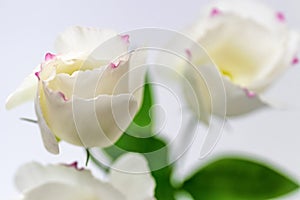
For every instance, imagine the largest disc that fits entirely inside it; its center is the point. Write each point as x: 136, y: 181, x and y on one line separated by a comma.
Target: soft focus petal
x: 48, y: 137
x: 101, y: 44
x: 81, y: 39
x: 59, y: 191
x: 130, y: 174
x: 137, y: 74
x: 57, y: 181
x: 205, y: 92
x: 249, y: 9
x: 25, y: 92
x: 240, y: 100
x: 288, y: 52
x: 236, y: 56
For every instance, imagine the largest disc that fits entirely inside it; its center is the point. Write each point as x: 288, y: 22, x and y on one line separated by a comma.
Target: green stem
x: 29, y: 120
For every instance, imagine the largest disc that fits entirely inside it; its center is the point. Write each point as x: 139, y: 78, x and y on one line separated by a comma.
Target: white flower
x: 59, y: 182
x: 251, y: 47
x: 86, y: 94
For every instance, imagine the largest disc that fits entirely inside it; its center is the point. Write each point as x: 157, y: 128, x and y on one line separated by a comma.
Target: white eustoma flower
x: 88, y: 93
x: 60, y: 182
x: 251, y: 46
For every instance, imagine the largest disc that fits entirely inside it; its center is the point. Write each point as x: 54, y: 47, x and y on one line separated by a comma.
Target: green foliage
x: 223, y: 179
x: 154, y: 149
x: 236, y: 179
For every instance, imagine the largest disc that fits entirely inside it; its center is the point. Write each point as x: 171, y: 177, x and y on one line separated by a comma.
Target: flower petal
x: 102, y: 44
x: 130, y: 174
x: 136, y: 74
x: 35, y: 180
x: 48, y: 137
x: 58, y: 191
x: 205, y: 92
x: 102, y: 121
x: 285, y: 59
x: 82, y: 39
x: 98, y: 121
x: 236, y: 56
x: 247, y: 9
x: 241, y: 101
x: 25, y: 92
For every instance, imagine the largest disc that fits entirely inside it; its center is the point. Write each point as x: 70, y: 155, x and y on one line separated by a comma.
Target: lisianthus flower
x: 88, y: 92
x: 68, y: 182
x: 251, y: 46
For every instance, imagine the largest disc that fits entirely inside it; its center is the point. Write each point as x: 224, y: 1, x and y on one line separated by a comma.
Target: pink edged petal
x: 49, y: 56
x: 130, y: 174
x: 100, y: 44
x: 125, y: 38
x: 48, y: 137
x: 241, y: 101
x: 89, y: 122
x: 295, y: 61
x: 58, y: 113
x: 249, y: 9
x: 285, y: 58
x: 215, y: 12
x: 101, y: 121
x: 61, y: 182
x: 280, y: 16
x: 25, y: 92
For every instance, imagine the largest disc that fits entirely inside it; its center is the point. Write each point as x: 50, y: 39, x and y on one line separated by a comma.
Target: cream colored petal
x: 81, y: 101
x: 288, y: 52
x: 25, y: 92
x: 81, y: 39
x: 37, y: 181
x: 48, y: 137
x: 205, y: 92
x: 130, y: 174
x: 232, y: 49
x: 207, y: 96
x: 102, y: 121
x: 136, y: 74
x: 114, y: 80
x: 240, y: 101
x: 99, y: 44
x: 91, y: 83
x: 59, y: 191
x: 249, y: 9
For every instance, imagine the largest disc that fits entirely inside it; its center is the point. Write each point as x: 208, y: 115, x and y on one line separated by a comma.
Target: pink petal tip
x: 295, y: 61
x: 188, y: 53
x: 249, y: 93
x: 125, y: 38
x: 280, y: 16
x: 114, y: 65
x: 49, y: 56
x: 214, y: 12
x: 74, y: 165
x: 63, y: 96
x: 37, y: 74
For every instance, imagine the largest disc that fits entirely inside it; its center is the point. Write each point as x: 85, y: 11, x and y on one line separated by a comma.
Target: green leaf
x: 156, y: 153
x: 143, y: 117
x: 238, y: 178
x: 140, y: 138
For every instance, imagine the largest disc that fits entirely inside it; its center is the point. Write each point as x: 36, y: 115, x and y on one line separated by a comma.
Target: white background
x: 28, y: 29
